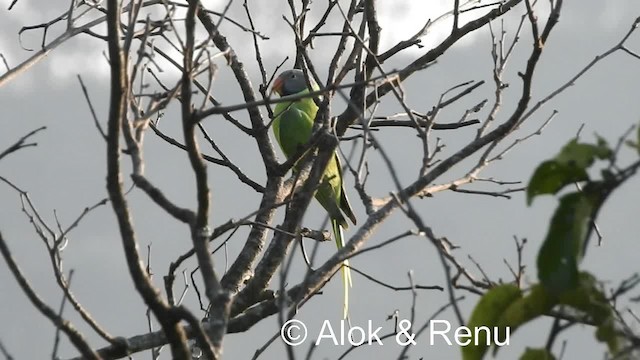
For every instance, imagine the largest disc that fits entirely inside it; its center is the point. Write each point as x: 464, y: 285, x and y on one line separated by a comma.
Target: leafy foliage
x: 488, y: 313
x: 561, y: 283
x: 568, y: 167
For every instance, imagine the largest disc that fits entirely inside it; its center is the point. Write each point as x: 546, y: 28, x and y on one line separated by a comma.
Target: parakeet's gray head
x: 289, y: 82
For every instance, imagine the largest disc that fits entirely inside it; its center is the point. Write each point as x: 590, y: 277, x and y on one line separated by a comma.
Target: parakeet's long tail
x: 345, y: 270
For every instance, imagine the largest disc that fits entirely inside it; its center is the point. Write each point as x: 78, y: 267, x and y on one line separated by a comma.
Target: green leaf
x: 537, y: 354
x: 486, y: 313
x: 583, y: 155
x: 561, y: 251
x: 632, y: 144
x: 588, y: 298
x: 551, y: 176
x: 536, y: 303
x: 606, y: 333
x: 568, y: 167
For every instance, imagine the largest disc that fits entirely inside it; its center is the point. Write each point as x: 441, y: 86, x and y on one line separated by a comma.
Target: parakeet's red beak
x: 277, y: 86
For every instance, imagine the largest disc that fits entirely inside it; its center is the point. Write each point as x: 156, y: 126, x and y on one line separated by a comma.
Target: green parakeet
x: 292, y: 128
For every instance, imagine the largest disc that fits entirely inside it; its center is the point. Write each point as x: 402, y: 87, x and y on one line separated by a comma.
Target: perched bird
x: 292, y: 128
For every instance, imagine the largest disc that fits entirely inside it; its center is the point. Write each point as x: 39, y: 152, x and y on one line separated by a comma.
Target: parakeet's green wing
x: 330, y: 191
x: 345, y: 206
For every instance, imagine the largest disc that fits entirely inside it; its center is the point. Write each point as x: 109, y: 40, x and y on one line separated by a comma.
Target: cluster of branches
x: 242, y: 296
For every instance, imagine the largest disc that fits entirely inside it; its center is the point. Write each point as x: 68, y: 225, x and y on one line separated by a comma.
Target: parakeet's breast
x: 295, y: 128
x: 299, y: 116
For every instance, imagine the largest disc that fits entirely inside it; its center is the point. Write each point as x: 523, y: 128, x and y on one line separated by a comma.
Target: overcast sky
x: 66, y: 172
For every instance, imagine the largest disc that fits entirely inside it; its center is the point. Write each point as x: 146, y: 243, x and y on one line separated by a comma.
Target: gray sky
x: 66, y: 172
